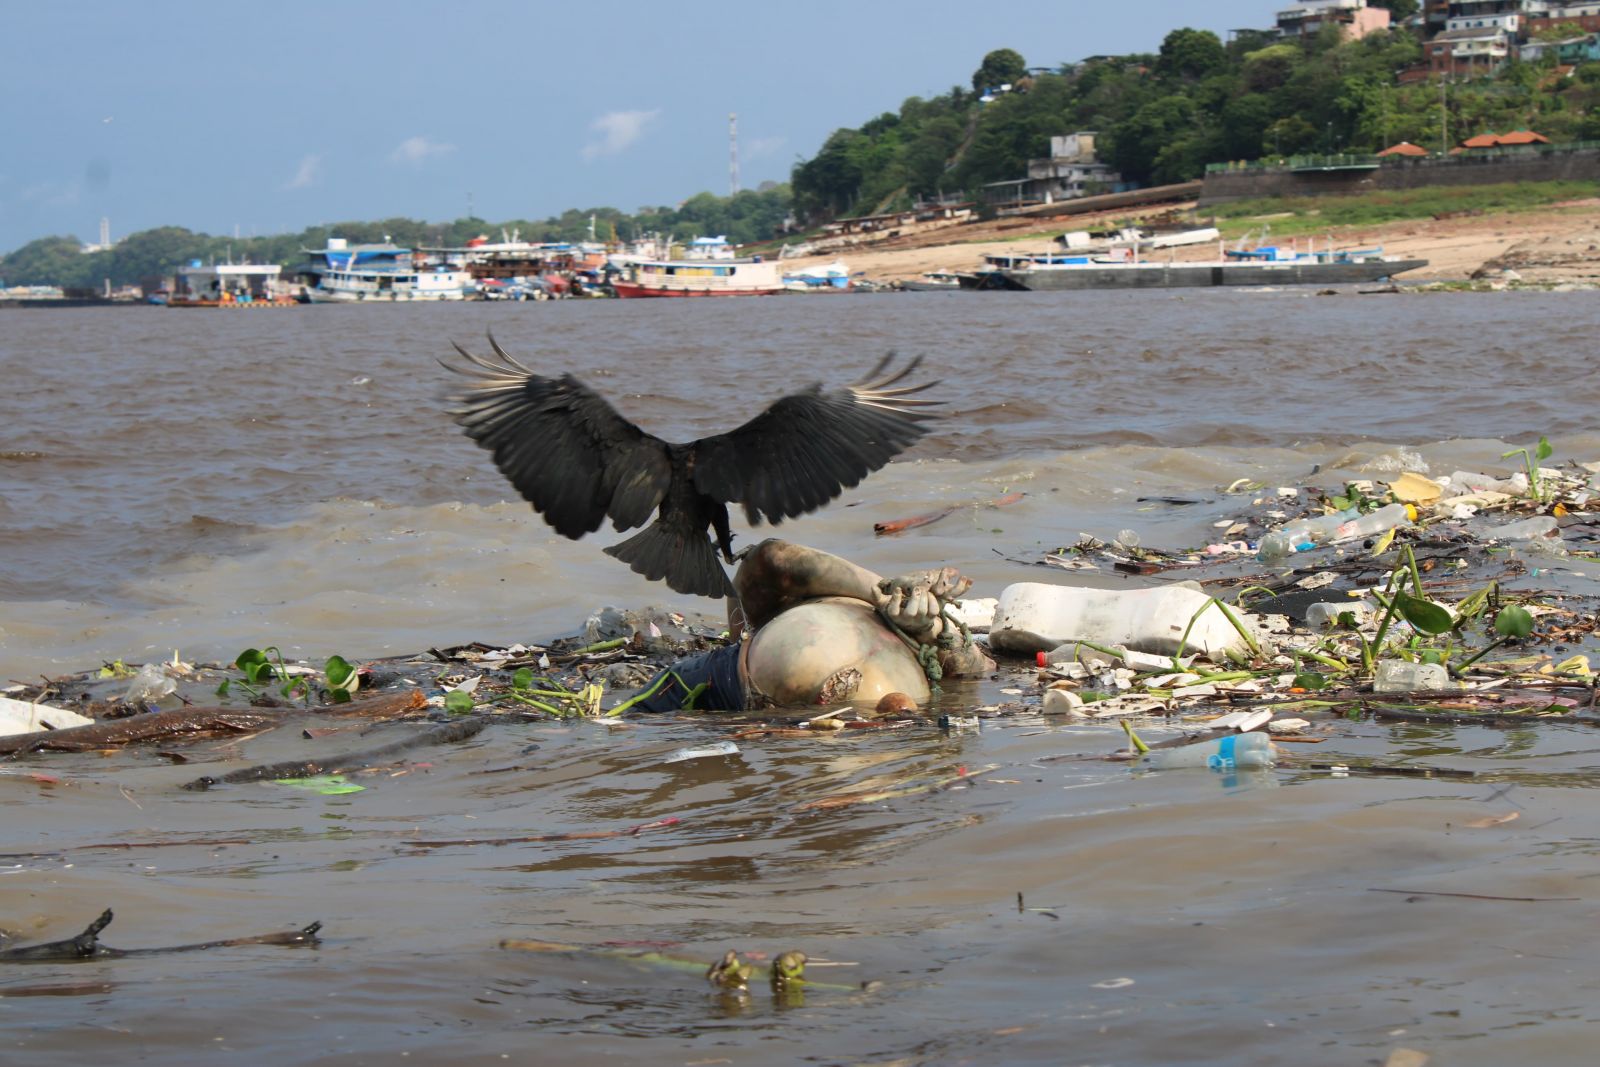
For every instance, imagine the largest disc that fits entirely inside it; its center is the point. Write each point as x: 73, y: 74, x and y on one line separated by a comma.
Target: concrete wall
x: 1583, y: 165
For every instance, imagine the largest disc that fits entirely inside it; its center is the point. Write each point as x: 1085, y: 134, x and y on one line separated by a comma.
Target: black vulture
x: 577, y: 461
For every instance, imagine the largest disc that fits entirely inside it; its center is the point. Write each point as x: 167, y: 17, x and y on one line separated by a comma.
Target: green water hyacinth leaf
x: 1310, y: 680
x: 457, y: 702
x: 340, y: 674
x: 523, y: 679
x: 1513, y: 621
x: 1544, y: 451
x: 255, y: 665
x: 1422, y: 614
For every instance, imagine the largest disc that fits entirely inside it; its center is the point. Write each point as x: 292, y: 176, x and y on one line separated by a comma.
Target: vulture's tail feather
x: 686, y: 559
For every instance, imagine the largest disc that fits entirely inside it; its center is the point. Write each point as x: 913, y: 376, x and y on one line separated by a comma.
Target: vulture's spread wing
x: 565, y: 449
x: 808, y: 447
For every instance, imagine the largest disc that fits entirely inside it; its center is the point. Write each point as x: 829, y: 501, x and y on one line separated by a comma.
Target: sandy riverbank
x: 1553, y: 245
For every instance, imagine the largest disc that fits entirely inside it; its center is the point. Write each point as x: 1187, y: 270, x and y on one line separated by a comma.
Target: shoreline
x: 1558, y: 245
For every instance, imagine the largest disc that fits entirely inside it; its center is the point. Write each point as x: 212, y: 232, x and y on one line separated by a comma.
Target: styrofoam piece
x: 1033, y: 617
x: 21, y: 717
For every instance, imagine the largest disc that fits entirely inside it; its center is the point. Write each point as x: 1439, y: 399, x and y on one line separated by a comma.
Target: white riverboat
x: 371, y: 284
x: 383, y: 273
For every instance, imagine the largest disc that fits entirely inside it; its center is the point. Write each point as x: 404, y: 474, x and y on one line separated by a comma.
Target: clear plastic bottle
x: 1227, y: 753
x: 1376, y: 522
x: 1302, y: 534
x: 716, y: 748
x: 1472, y: 482
x: 1525, y: 529
x: 1308, y: 533
x: 149, y: 685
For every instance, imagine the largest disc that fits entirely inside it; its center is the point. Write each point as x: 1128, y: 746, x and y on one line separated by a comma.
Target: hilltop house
x: 1072, y: 170
x: 1477, y: 37
x: 1353, y: 17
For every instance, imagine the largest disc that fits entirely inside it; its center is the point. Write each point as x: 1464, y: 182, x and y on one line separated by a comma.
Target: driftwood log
x: 195, y: 723
x: 157, y: 726
x: 87, y: 946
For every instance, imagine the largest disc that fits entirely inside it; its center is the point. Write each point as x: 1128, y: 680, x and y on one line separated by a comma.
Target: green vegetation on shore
x: 1291, y: 215
x: 1162, y: 118
x: 747, y: 216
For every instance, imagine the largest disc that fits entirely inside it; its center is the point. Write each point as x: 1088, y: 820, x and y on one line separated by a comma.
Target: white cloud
x: 414, y: 150
x: 616, y: 130
x: 307, y: 173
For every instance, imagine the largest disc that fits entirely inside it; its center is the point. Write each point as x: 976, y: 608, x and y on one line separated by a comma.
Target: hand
x: 915, y: 602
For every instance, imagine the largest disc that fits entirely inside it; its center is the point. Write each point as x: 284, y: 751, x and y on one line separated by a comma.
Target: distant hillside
x: 1163, y: 117
x: 745, y: 217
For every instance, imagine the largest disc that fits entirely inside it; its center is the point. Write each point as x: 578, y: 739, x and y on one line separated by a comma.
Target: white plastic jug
x: 1035, y: 617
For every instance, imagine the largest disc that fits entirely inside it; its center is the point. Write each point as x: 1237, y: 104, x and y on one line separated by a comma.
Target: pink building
x: 1354, y: 18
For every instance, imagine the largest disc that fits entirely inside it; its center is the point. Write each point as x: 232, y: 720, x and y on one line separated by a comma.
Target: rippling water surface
x: 207, y: 481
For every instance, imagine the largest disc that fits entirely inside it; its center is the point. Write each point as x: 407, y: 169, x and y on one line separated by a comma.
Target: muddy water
x: 204, y: 482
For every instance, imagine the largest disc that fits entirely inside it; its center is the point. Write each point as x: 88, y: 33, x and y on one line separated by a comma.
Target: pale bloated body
x: 815, y: 617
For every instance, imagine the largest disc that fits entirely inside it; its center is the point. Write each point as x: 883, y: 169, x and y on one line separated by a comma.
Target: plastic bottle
x: 1375, y: 522
x: 1470, y: 482
x: 149, y: 685
x: 1225, y: 754
x: 716, y: 748
x: 1033, y: 616
x: 1524, y: 529
x: 1302, y: 535
x: 1308, y: 533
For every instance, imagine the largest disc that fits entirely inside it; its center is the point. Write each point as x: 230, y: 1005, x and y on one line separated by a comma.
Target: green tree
x: 49, y: 261
x: 1244, y: 125
x: 1137, y: 142
x: 1000, y: 67
x: 157, y: 253
x: 1190, y: 53
x: 930, y: 154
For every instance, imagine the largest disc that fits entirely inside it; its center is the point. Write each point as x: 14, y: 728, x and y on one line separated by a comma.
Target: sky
x: 269, y: 118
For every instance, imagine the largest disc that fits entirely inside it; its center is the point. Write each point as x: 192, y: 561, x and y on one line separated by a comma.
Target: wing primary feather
x: 510, y: 360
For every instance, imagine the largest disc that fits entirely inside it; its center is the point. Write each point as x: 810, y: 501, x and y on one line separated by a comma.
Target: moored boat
x: 1258, y: 267
x: 383, y: 273
x: 830, y: 277
x: 931, y: 281
x: 390, y: 286
x: 709, y: 268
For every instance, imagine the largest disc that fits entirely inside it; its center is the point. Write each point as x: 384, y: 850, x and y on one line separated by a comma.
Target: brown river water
x: 201, y: 482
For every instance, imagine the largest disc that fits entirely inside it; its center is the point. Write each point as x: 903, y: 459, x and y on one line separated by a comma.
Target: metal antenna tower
x: 733, y: 153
